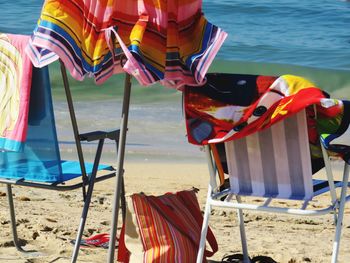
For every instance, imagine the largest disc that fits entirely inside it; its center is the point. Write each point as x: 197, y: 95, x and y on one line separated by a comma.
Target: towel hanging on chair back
x: 15, y: 83
x: 40, y: 159
x: 232, y: 106
x: 167, y: 41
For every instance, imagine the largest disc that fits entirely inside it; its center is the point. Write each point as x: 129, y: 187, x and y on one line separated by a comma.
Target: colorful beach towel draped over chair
x: 232, y: 106
x: 15, y: 83
x: 167, y: 41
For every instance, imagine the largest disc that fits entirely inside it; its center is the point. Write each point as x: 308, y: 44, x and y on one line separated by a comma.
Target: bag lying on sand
x: 163, y: 228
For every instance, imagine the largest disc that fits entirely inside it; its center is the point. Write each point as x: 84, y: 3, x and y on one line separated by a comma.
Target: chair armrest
x: 98, y: 135
x: 341, y: 150
x: 326, y: 140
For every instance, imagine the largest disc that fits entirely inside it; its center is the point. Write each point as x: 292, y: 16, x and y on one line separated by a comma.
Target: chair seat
x: 49, y: 171
x: 71, y: 169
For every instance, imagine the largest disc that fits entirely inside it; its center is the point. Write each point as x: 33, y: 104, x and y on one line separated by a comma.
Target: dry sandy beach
x: 302, y: 38
x: 47, y: 220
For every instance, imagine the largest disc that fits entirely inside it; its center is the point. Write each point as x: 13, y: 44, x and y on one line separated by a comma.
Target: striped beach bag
x: 163, y: 228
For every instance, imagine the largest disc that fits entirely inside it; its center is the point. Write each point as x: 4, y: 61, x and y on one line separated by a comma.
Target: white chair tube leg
x: 242, y: 233
x: 204, y: 230
x: 211, y: 167
x: 336, y: 243
x: 329, y: 173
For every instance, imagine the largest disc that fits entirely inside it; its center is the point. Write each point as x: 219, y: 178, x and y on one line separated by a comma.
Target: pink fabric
x: 17, y: 66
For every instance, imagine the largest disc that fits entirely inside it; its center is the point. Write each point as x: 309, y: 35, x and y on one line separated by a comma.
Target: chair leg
x: 13, y: 220
x: 82, y: 222
x: 123, y: 200
x: 87, y: 202
x: 204, y: 228
x: 120, y: 167
x: 336, y: 243
x: 242, y: 233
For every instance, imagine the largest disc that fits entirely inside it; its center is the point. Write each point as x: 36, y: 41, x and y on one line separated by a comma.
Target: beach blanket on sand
x: 231, y: 106
x: 167, y: 41
x: 15, y: 84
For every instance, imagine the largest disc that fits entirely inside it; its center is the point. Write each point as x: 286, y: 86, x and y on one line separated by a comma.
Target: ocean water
x: 309, y: 33
x: 271, y: 37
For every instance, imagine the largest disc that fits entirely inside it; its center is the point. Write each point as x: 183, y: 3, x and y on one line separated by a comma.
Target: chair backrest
x: 40, y: 159
x: 272, y: 163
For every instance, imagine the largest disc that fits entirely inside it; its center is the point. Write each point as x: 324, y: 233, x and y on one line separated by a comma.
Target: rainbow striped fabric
x: 153, y: 40
x: 163, y: 228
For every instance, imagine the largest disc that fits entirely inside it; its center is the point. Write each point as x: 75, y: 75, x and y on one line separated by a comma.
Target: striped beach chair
x: 273, y: 163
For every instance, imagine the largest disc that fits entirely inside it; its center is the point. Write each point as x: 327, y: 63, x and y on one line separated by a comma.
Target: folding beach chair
x: 272, y: 163
x: 39, y: 165
x: 265, y: 136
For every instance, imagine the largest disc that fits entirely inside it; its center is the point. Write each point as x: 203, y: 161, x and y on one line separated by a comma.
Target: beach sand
x: 48, y: 220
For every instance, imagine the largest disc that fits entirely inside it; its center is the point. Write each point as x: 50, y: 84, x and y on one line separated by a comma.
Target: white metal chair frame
x: 337, y: 206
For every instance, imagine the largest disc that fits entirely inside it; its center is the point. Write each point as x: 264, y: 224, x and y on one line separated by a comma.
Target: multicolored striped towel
x: 15, y: 83
x: 167, y: 41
